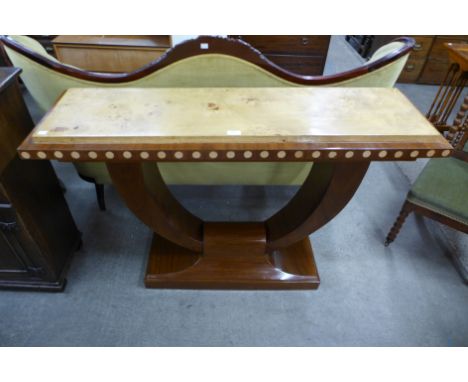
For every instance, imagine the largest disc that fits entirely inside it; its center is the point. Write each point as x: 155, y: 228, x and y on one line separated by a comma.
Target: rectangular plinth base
x: 224, y: 266
x: 34, y: 285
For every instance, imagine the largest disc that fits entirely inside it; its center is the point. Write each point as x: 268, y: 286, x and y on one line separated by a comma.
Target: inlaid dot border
x: 303, y: 155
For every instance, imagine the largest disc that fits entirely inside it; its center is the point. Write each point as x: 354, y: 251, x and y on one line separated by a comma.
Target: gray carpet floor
x: 408, y: 294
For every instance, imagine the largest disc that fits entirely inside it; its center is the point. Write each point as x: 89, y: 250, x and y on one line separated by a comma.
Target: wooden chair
x: 441, y: 190
x: 202, y: 62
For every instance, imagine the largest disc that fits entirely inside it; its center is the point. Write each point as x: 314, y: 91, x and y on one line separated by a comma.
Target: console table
x: 341, y: 130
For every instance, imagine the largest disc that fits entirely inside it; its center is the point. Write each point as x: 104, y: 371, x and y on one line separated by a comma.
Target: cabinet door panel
x: 8, y: 253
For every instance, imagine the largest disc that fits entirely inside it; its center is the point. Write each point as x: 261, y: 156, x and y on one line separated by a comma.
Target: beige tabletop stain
x: 146, y: 115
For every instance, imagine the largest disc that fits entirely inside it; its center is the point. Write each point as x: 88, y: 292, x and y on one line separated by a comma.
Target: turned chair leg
x: 405, y: 211
x: 99, y: 191
x: 62, y: 186
x: 100, y: 196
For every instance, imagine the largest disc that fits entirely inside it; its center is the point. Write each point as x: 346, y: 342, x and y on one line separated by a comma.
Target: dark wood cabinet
x: 110, y: 54
x: 37, y: 232
x: 438, y: 63
x: 428, y: 63
x: 304, y: 55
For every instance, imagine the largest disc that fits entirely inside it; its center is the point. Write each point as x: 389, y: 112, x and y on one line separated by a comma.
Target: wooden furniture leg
x: 457, y: 130
x: 275, y: 254
x: 406, y: 209
x: 101, y: 200
x: 100, y: 196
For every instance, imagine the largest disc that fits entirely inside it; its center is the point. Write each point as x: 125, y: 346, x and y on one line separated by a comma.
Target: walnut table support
x: 340, y: 130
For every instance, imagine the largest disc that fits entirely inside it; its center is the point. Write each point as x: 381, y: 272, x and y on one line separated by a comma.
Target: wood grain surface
x: 228, y: 114
x: 114, y: 40
x: 459, y: 54
x: 234, y: 124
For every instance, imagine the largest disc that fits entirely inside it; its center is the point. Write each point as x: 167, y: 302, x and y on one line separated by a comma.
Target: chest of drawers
x: 304, y: 55
x: 111, y: 54
x: 428, y: 62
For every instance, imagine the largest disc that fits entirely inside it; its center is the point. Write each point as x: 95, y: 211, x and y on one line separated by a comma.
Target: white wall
x: 178, y: 38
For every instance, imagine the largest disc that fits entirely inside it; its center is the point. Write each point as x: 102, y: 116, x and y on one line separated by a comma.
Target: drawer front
x: 421, y: 47
x: 439, y: 52
x: 305, y: 65
x: 105, y: 59
x: 434, y: 72
x: 306, y: 45
x: 412, y: 70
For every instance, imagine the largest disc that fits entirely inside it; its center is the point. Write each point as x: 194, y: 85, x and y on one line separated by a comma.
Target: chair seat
x: 442, y: 187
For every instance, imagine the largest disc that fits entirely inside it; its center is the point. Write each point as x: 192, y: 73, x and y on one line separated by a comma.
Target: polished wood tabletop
x: 208, y: 123
x: 458, y: 53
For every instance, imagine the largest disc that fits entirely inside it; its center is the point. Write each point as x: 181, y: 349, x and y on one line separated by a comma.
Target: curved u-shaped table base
x: 276, y: 254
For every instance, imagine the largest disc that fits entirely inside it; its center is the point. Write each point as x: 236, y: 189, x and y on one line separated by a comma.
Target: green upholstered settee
x: 202, y: 62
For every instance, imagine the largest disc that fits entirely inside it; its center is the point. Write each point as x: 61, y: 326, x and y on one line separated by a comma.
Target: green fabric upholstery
x: 272, y: 173
x: 208, y: 70
x: 442, y: 187
x: 96, y: 170
x: 384, y: 50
